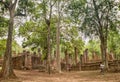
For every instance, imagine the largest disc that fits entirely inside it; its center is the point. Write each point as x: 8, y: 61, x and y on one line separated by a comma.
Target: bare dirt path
x: 81, y: 76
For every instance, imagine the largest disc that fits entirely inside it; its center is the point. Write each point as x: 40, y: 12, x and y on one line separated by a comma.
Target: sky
x: 19, y: 40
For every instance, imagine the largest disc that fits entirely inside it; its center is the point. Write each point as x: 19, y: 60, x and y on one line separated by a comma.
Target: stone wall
x: 18, y: 62
x: 35, y: 62
x: 96, y: 65
x: 28, y: 62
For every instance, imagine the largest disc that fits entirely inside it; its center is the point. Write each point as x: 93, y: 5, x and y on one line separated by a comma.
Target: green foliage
x: 15, y: 47
x: 35, y: 34
x: 114, y: 42
x: 3, y: 7
x: 76, y: 9
x: 3, y: 26
x: 2, y: 47
x: 95, y: 17
x: 93, y: 46
x: 70, y: 39
x: 25, y: 8
x: 26, y: 29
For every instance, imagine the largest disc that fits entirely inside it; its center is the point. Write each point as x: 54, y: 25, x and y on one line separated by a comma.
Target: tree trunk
x: 7, y: 69
x: 48, y: 47
x: 93, y: 56
x: 104, y: 54
x: 76, y: 55
x: 66, y: 59
x: 58, y: 42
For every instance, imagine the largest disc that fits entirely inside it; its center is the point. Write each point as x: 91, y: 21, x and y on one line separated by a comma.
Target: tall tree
x: 47, y: 18
x: 96, y: 19
x: 7, y: 70
x: 58, y: 40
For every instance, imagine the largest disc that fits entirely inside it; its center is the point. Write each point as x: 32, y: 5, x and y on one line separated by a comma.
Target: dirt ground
x: 73, y: 76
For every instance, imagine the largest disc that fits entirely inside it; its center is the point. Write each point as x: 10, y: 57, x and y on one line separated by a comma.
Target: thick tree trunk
x: 102, y: 32
x: 7, y: 69
x: 104, y: 54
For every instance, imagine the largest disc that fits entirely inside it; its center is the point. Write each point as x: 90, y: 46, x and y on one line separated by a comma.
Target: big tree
x: 58, y: 39
x: 60, y: 8
x: 43, y: 16
x: 47, y: 13
x: 7, y: 70
x: 96, y: 18
x: 9, y: 6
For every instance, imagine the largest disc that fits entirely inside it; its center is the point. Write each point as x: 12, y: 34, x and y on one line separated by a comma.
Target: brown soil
x: 79, y: 76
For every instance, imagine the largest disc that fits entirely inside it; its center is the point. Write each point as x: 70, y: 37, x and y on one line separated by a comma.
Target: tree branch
x: 54, y: 3
x: 14, y: 4
x: 97, y: 15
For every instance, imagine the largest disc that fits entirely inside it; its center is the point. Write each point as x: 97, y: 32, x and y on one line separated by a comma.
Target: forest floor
x: 73, y: 76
